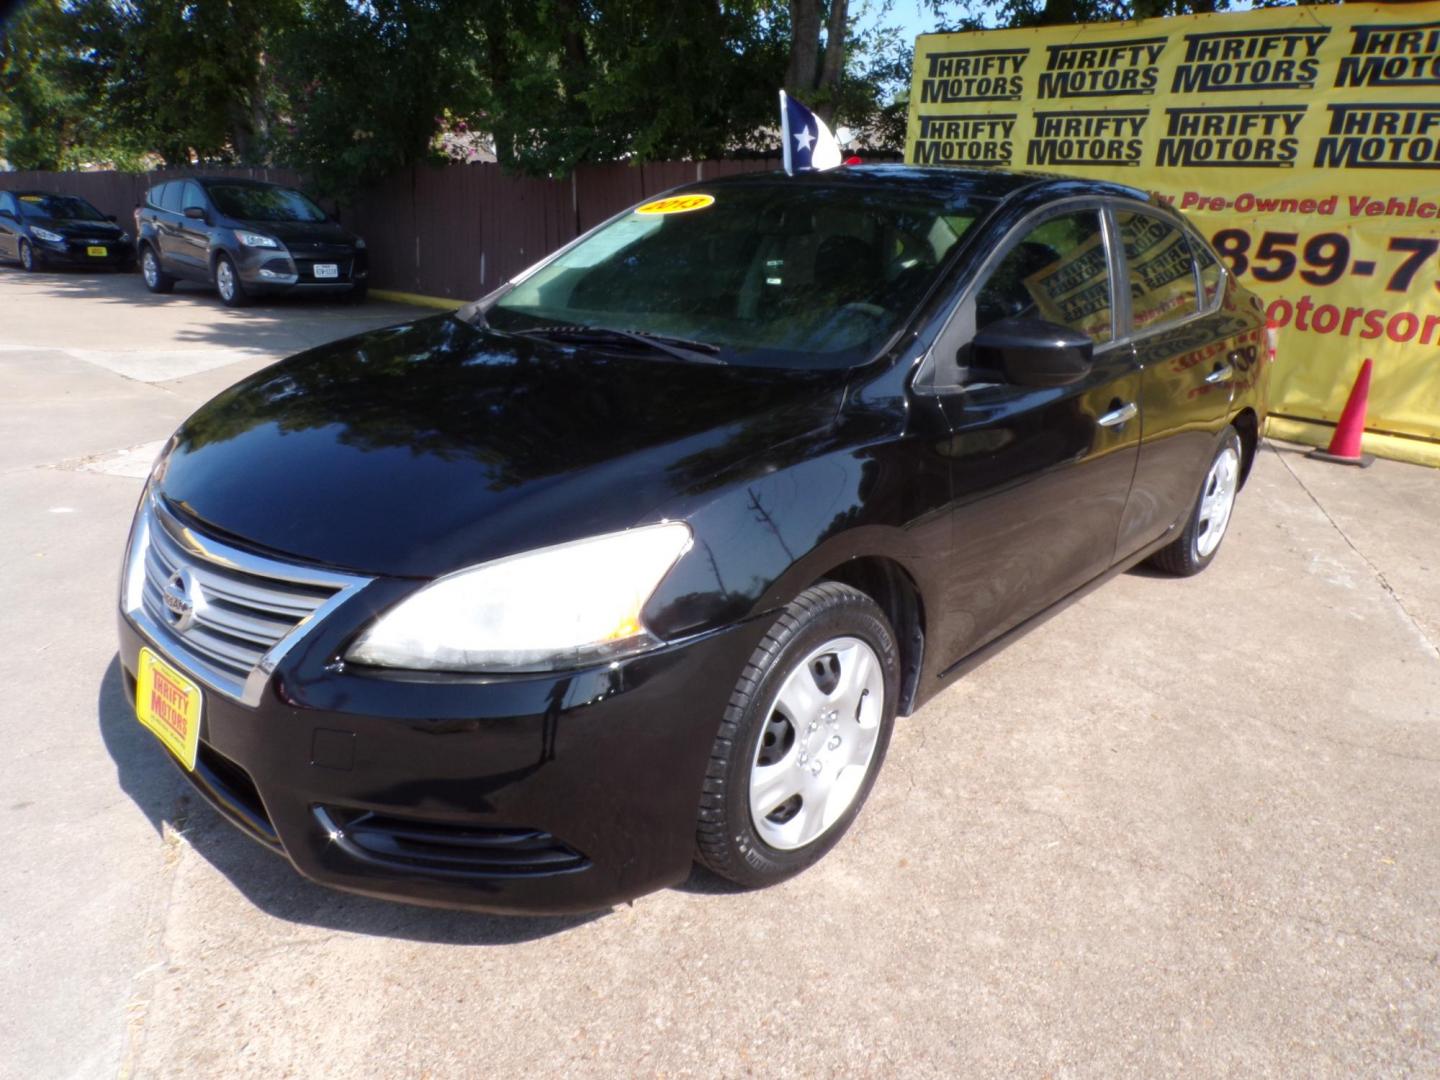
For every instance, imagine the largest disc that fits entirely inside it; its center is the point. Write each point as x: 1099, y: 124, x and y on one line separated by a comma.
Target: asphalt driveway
x: 1186, y: 826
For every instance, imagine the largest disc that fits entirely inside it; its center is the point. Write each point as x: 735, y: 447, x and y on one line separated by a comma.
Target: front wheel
x: 27, y: 256
x: 227, y: 283
x: 156, y: 280
x: 802, y: 739
x: 1195, y: 547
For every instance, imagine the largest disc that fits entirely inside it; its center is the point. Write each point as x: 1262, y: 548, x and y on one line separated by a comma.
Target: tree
x: 366, y: 85
x: 190, y: 82
x: 48, y: 98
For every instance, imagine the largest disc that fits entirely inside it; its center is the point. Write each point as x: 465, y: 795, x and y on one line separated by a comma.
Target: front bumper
x: 76, y: 253
x: 564, y: 792
x: 264, y: 270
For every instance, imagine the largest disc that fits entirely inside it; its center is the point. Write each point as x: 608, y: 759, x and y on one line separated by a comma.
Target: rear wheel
x: 227, y: 283
x: 802, y: 739
x: 27, y: 256
x: 1196, y: 546
x: 156, y: 280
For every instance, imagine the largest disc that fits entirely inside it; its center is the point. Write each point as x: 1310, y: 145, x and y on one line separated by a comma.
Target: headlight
x: 544, y: 610
x: 359, y: 243
x: 255, y: 239
x: 46, y: 234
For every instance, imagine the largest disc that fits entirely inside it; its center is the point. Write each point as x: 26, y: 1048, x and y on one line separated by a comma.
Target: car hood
x: 294, y: 232
x: 426, y: 447
x: 74, y: 227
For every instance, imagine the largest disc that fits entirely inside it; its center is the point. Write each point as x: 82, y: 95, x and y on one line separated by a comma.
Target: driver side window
x: 1057, y: 273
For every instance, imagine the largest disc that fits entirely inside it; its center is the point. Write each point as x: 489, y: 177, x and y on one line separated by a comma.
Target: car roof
x: 996, y: 184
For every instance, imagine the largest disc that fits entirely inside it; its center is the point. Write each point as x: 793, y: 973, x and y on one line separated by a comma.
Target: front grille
x: 447, y: 847
x: 239, y: 617
x: 235, y: 609
x: 319, y: 250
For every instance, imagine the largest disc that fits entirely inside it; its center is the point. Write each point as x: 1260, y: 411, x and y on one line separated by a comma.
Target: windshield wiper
x: 694, y: 352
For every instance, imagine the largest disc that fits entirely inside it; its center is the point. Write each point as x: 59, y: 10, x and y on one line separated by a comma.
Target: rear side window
x: 152, y: 197
x: 170, y: 196
x: 1161, y: 270
x: 1059, y: 273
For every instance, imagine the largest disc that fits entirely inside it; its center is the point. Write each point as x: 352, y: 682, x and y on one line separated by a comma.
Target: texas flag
x: 809, y: 146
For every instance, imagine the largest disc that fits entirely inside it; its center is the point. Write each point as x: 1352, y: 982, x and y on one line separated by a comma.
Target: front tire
x: 27, y: 257
x: 227, y: 283
x: 1195, y: 547
x: 156, y: 280
x: 802, y: 739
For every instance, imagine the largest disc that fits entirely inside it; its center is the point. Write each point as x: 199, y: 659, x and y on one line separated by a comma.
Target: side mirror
x: 1032, y: 352
x: 195, y: 213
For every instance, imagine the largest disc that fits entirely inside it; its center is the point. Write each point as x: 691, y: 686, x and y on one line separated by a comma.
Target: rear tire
x: 227, y: 283
x: 1195, y: 548
x: 27, y: 257
x: 802, y: 739
x: 156, y: 280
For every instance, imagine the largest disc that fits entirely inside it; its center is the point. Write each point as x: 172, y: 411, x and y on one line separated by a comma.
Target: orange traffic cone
x: 1344, y: 448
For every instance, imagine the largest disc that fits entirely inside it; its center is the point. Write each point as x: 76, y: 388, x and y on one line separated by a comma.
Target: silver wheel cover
x: 225, y: 279
x: 1217, y: 500
x: 817, y: 744
x: 148, y: 268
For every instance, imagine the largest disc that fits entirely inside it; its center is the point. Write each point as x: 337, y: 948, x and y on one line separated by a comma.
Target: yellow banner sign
x: 1304, y: 141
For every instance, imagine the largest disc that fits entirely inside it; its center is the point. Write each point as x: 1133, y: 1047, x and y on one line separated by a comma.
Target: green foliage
x: 367, y: 84
x: 48, y: 113
x: 641, y: 79
x: 351, y: 91
x: 189, y: 81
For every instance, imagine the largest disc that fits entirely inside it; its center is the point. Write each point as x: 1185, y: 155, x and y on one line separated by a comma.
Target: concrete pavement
x: 1186, y: 826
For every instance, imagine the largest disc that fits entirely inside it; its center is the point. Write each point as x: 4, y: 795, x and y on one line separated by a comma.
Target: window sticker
x: 676, y: 204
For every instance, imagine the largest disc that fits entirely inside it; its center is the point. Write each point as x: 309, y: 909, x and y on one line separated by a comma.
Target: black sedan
x: 636, y: 560
x: 247, y: 239
x: 39, y: 229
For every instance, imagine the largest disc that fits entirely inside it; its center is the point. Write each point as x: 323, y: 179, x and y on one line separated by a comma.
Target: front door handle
x: 1223, y: 373
x: 1118, y: 416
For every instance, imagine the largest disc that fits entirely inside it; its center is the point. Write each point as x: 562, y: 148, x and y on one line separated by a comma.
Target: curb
x: 416, y: 299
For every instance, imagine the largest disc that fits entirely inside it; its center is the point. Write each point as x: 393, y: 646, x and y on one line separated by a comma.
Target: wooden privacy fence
x: 453, y: 231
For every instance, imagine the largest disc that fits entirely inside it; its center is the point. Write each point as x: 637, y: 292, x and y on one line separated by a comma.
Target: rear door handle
x: 1223, y: 373
x: 1118, y: 416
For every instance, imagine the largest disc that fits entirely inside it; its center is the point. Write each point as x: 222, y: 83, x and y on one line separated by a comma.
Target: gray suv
x: 247, y: 238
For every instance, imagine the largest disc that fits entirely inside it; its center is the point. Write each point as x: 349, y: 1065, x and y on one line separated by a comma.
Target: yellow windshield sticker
x: 676, y: 204
x: 32, y: 198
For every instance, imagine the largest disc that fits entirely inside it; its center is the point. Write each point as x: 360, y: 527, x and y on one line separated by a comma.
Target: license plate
x: 98, y: 252
x: 168, y: 704
x: 327, y: 270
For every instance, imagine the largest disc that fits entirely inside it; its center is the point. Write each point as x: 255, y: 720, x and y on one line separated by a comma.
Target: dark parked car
x: 246, y: 238
x: 39, y: 228
x: 637, y: 559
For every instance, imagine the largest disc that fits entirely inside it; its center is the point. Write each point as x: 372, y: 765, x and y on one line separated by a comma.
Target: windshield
x: 59, y: 207
x: 251, y: 203
x: 787, y: 274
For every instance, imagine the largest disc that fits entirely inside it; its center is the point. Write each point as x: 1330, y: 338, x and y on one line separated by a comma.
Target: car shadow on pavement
x: 268, y: 881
